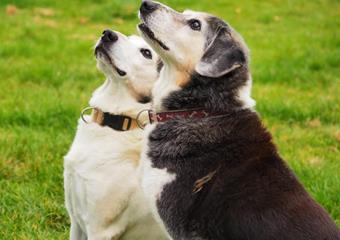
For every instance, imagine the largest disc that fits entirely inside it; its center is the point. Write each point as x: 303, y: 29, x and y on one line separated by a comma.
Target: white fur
x: 153, y: 179
x: 186, y: 46
x: 164, y: 86
x: 102, y: 191
x: 244, y: 95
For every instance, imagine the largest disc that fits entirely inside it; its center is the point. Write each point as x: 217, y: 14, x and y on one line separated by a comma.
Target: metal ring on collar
x: 141, y: 125
x: 84, y: 112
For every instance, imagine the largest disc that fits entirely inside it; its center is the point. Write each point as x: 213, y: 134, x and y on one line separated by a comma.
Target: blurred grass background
x: 47, y: 75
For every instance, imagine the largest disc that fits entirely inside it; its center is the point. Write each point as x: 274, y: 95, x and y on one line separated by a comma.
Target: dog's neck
x: 165, y: 84
x: 116, y: 97
x: 173, y: 91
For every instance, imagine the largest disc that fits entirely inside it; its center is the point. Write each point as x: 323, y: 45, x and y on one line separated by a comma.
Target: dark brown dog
x: 218, y: 177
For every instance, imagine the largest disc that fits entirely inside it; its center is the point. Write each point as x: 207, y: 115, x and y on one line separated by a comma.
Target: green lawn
x: 47, y: 74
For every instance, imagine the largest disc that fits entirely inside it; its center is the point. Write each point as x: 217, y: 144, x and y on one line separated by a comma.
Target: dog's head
x: 197, y: 49
x: 129, y: 60
x: 192, y: 41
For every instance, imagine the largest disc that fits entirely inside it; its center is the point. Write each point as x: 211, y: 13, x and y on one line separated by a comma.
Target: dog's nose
x: 109, y: 36
x: 148, y: 7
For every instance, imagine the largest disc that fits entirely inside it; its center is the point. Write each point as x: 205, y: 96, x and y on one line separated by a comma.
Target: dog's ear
x: 222, y: 56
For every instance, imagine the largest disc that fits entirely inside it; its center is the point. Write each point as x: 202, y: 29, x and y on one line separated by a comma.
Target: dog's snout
x: 109, y: 36
x: 148, y: 7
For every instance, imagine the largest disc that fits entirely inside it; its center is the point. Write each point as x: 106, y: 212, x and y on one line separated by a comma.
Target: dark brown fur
x: 252, y: 194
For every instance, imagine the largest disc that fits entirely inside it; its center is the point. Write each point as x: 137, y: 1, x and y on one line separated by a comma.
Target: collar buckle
x: 127, y: 122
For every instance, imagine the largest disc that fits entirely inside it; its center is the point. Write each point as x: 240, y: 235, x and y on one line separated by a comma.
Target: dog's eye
x: 195, y: 24
x: 146, y: 53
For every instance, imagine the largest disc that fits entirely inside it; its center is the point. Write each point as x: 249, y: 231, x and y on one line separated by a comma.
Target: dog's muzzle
x: 148, y: 7
x: 150, y: 34
x: 108, y: 38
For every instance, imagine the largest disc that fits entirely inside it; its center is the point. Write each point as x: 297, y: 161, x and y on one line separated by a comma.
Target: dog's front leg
x: 76, y: 232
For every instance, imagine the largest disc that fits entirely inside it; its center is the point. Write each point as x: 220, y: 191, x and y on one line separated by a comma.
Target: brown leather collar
x: 116, y: 122
x: 185, y: 114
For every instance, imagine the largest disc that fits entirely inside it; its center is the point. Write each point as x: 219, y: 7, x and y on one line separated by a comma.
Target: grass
x: 47, y: 74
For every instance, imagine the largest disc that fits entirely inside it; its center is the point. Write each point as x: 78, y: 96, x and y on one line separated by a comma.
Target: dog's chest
x: 95, y: 168
x: 153, y: 179
x: 173, y: 160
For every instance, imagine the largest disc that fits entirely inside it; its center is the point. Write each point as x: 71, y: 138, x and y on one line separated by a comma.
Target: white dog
x: 102, y: 193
